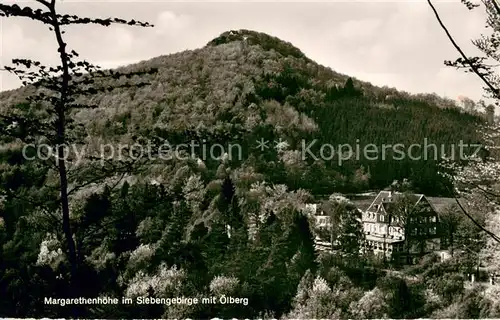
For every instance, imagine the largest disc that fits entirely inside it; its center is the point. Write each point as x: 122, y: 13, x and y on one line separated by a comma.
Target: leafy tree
x: 405, y: 212
x: 402, y: 302
x: 62, y: 86
x: 303, y: 289
x: 320, y: 303
x: 449, y: 221
x: 448, y: 286
x: 349, y: 88
x: 401, y: 186
x: 469, y: 104
x: 484, y: 70
x: 373, y: 304
x: 350, y: 238
x: 212, y: 227
x: 361, y: 179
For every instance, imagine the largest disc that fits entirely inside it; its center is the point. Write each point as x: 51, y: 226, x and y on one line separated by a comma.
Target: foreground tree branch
x: 491, y: 234
x: 62, y: 86
x: 474, y: 66
x: 485, y: 73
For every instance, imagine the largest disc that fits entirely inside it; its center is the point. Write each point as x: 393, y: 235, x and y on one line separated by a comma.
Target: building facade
x: 388, y: 235
x: 385, y: 232
x: 321, y: 222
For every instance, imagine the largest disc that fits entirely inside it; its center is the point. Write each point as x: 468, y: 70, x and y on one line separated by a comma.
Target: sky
x: 393, y: 43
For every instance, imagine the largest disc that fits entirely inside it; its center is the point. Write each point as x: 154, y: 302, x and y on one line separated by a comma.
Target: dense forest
x: 251, y: 86
x: 200, y: 226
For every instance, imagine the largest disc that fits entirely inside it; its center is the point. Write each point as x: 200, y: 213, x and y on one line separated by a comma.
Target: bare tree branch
x: 491, y: 234
x: 473, y: 66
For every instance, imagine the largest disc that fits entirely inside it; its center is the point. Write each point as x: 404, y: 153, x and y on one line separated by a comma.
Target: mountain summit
x: 263, y: 40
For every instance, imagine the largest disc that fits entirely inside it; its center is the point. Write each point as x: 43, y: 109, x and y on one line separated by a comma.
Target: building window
x: 432, y: 230
x: 433, y: 219
x: 382, y: 218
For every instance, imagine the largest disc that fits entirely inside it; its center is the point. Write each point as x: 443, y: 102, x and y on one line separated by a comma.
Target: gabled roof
x: 363, y: 203
x: 439, y: 204
x: 385, y: 200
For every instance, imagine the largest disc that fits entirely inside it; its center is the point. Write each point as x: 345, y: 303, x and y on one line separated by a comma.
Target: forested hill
x: 230, y: 227
x: 245, y: 86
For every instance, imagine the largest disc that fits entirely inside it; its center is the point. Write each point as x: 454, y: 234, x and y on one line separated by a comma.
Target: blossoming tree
x: 476, y: 180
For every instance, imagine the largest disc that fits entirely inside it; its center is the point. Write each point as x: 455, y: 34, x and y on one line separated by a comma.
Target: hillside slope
x: 201, y: 226
x: 245, y: 86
